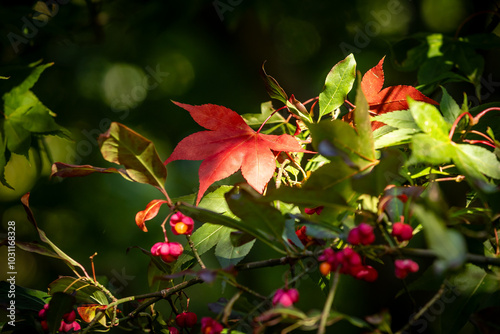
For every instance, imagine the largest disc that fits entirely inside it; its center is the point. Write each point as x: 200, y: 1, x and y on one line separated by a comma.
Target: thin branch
x: 329, y: 302
x: 195, y: 252
x: 427, y: 253
x: 423, y: 309
x: 271, y: 262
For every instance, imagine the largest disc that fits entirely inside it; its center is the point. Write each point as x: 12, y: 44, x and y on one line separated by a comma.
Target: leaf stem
x: 329, y: 302
x: 455, y: 124
x: 484, y: 112
x: 479, y: 142
x: 195, y: 252
x: 269, y: 117
x: 163, y: 226
x: 482, y: 135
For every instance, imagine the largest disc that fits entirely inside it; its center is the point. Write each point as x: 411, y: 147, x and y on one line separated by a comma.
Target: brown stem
x: 423, y: 309
x: 195, y: 252
x: 472, y: 258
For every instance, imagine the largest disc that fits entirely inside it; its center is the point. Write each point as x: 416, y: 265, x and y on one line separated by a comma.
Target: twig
x: 328, y: 303
x: 423, y: 309
x: 472, y: 258
x: 195, y: 252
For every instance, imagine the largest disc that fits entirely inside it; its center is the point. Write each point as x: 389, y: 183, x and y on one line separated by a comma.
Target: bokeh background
x: 190, y: 51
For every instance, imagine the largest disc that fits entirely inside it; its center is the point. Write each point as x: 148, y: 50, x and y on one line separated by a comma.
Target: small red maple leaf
x: 389, y: 99
x: 228, y: 146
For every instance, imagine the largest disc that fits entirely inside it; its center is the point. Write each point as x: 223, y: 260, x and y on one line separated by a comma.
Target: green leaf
x: 59, y: 305
x: 396, y: 137
x: 427, y: 149
x: 11, y: 97
x: 434, y: 69
x: 321, y: 231
x: 328, y: 186
x: 204, y: 238
x: 80, y: 288
x: 469, y: 62
x: 401, y: 119
x: 35, y: 118
x: 469, y: 291
x: 451, y: 110
x: 18, y: 139
x: 136, y: 153
x: 448, y: 244
x: 478, y: 158
x: 272, y: 87
x: 264, y: 218
x: 227, y: 254
x: 339, y: 82
x: 429, y: 119
x: 290, y: 236
x: 266, y: 108
x: 344, y: 141
x: 386, y: 172
x: 26, y: 299
x: 208, y: 216
x: 363, y: 124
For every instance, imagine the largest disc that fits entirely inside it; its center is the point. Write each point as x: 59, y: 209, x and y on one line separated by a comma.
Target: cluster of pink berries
x: 361, y: 234
x: 168, y: 251
x: 286, y: 297
x: 348, y: 262
x: 402, y: 231
x: 68, y: 323
x: 404, y: 267
x: 181, y: 224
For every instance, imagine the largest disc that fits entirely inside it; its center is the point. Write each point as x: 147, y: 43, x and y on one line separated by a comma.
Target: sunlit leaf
x: 228, y: 146
x: 429, y: 120
x: 272, y: 86
x: 451, y: 110
x: 89, y: 311
x: 339, y: 82
x: 136, y: 153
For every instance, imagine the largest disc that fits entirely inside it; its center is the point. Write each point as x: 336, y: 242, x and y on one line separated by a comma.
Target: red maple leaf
x: 389, y: 99
x: 228, y: 146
